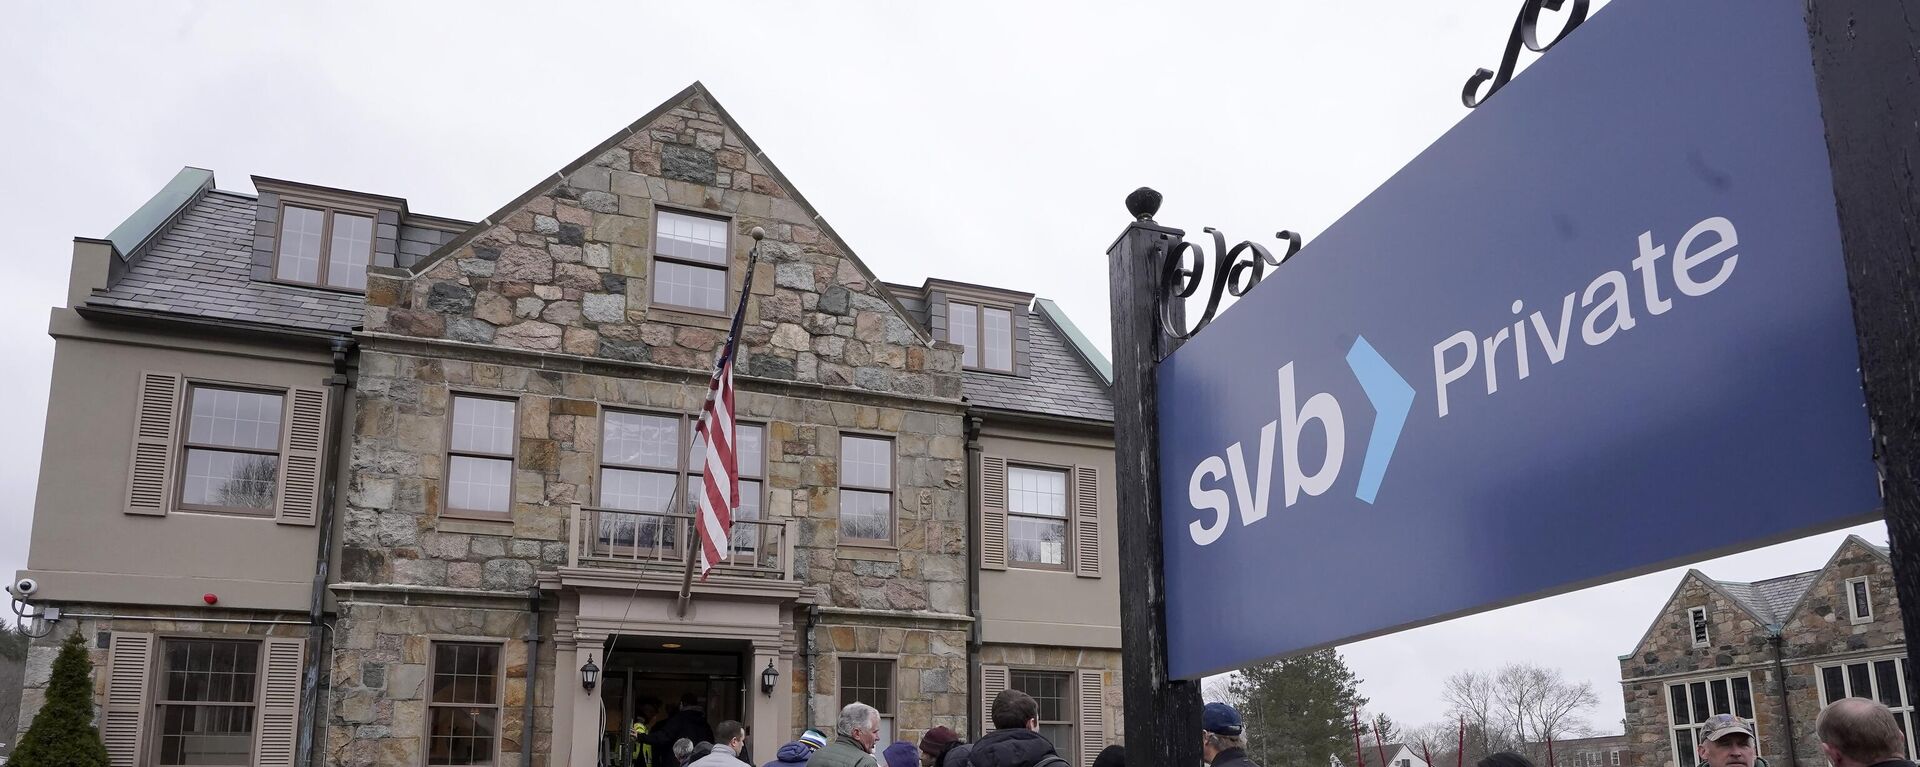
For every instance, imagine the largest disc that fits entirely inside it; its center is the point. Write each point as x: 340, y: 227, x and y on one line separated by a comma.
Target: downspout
x: 533, y: 675
x: 1786, y: 701
x: 807, y: 648
x: 311, y: 723
x: 974, y: 725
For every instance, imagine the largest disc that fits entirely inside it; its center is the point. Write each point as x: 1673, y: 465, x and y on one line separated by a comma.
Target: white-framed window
x: 1697, y: 621
x: 1613, y: 757
x: 1690, y: 704
x: 1881, y: 679
x: 480, y: 451
x: 1859, y: 601
x: 690, y: 261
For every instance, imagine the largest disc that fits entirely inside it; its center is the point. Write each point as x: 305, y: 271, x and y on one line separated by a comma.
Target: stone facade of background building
x: 1778, y: 637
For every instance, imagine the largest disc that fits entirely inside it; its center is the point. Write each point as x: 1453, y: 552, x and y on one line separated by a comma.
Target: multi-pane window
x: 1691, y: 704
x: 690, y: 261
x: 1613, y: 757
x: 1697, y: 621
x: 1883, y: 679
x: 206, y: 700
x: 641, y: 462
x: 480, y: 456
x: 232, y: 450
x: 323, y: 247
x: 869, y: 681
x: 866, y: 489
x: 1053, y: 690
x: 463, y: 715
x: 984, y: 333
x: 1859, y: 601
x: 1037, y: 516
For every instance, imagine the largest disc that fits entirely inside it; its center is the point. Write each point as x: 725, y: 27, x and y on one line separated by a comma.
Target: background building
x: 1774, y: 651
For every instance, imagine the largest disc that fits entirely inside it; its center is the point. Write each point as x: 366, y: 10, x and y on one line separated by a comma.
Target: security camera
x: 25, y: 587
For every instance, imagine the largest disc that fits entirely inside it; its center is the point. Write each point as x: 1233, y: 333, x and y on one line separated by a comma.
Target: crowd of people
x: 1855, y: 732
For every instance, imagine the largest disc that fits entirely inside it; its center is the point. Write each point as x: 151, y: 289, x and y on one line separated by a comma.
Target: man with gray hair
x: 1858, y: 732
x: 853, y: 739
x: 1223, y: 737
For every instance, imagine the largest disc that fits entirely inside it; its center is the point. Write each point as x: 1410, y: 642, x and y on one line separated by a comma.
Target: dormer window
x: 324, y: 247
x: 984, y: 333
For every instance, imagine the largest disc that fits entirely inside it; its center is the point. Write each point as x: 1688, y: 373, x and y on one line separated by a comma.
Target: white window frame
x: 1675, y: 730
x: 1854, y: 617
x: 1873, y: 680
x: 1698, y: 628
x: 1613, y: 757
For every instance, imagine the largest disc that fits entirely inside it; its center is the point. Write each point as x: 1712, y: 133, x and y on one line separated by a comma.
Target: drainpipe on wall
x: 974, y: 725
x: 337, y: 384
x: 1786, y: 701
x: 806, y: 650
x: 533, y: 675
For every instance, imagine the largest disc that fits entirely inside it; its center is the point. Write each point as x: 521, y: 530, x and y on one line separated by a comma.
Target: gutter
x: 337, y: 385
x: 1786, y: 700
x: 973, y: 574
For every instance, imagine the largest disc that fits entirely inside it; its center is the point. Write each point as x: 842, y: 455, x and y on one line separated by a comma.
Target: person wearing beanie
x: 936, y: 744
x: 901, y: 754
x: 1111, y: 756
x: 798, y: 751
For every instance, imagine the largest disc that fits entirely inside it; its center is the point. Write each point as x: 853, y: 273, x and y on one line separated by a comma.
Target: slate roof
x: 1773, y: 598
x: 202, y: 266
x: 1061, y: 383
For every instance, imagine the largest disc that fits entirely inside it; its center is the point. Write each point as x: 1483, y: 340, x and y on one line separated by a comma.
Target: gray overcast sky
x: 986, y: 142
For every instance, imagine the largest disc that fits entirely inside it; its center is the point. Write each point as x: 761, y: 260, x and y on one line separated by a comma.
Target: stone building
x: 1774, y: 651
x: 413, y: 490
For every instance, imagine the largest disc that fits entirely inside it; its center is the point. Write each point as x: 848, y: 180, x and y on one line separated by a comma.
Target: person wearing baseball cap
x: 1726, y: 741
x: 1223, y: 737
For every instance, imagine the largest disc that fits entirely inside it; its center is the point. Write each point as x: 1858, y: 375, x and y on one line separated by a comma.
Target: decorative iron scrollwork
x: 1232, y: 274
x: 1526, y: 31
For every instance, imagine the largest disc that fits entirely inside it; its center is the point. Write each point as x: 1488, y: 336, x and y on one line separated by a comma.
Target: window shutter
x: 1086, y: 522
x: 1093, y: 715
x: 123, y: 723
x: 279, y: 703
x: 993, y: 681
x: 302, y: 442
x: 993, y: 513
x: 156, y: 421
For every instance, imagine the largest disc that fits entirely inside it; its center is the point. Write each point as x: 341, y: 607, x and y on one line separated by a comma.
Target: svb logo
x: 1392, y: 399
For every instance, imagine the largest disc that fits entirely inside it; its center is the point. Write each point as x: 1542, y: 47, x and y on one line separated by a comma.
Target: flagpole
x: 731, y: 348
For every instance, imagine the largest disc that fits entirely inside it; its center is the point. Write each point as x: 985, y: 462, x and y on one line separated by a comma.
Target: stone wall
x: 568, y: 271
x: 380, y: 677
x: 930, y: 671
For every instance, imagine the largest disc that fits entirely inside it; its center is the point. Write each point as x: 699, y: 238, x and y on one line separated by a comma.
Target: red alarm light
x: 210, y: 599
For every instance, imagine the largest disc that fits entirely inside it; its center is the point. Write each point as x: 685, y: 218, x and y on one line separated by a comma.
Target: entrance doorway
x: 655, y: 676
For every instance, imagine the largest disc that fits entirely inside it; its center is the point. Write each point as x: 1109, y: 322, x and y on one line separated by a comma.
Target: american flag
x: 720, y: 485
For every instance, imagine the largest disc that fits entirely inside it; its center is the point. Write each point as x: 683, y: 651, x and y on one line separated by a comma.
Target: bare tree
x: 1470, y: 698
x: 1538, y: 704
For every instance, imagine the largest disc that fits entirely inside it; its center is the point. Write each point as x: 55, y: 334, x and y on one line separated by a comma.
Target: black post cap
x: 1143, y: 204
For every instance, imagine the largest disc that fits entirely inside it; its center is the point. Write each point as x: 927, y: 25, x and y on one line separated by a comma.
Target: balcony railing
x: 648, y: 540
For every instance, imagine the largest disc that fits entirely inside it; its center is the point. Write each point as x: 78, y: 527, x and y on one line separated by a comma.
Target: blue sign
x: 1599, y: 328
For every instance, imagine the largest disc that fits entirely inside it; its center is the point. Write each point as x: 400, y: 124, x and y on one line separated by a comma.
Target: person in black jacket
x: 1223, y: 737
x: 1017, y: 742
